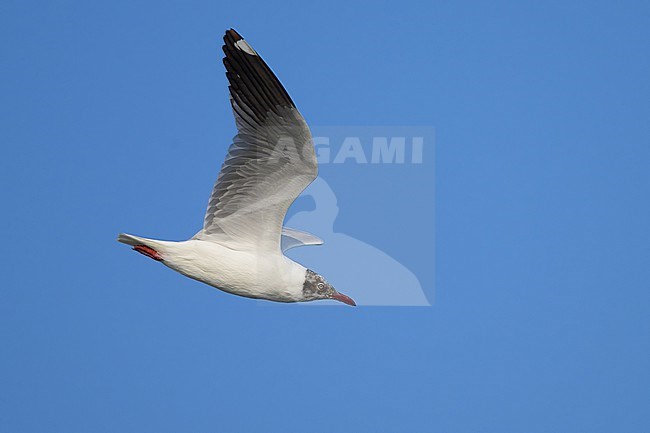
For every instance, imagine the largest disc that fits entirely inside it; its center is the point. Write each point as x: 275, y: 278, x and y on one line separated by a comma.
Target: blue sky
x: 115, y: 118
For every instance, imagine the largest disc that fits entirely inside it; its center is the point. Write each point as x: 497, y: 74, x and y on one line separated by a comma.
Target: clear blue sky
x: 115, y: 118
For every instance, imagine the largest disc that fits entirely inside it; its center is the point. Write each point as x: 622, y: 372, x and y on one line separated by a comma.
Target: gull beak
x: 345, y: 299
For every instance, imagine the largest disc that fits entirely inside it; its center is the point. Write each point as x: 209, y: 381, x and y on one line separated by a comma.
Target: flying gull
x: 240, y: 249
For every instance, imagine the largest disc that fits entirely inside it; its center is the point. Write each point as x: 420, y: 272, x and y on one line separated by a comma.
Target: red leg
x: 149, y: 252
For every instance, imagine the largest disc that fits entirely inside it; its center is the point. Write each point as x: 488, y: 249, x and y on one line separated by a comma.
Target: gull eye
x: 321, y: 285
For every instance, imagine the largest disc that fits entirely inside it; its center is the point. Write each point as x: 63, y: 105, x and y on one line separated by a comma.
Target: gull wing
x: 269, y: 163
x: 292, y: 238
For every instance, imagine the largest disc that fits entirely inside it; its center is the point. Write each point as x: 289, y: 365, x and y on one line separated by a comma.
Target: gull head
x: 315, y: 287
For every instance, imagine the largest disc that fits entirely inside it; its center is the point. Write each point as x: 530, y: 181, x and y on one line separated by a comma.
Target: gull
x: 240, y: 249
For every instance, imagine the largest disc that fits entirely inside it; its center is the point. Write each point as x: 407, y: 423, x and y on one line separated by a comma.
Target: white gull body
x: 240, y: 249
x: 240, y: 272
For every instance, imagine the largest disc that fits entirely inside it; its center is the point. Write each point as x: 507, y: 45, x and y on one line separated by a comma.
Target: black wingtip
x: 252, y: 83
x: 234, y: 35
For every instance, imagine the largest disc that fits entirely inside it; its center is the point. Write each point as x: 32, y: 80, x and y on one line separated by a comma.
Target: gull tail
x: 149, y: 247
x: 133, y: 240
